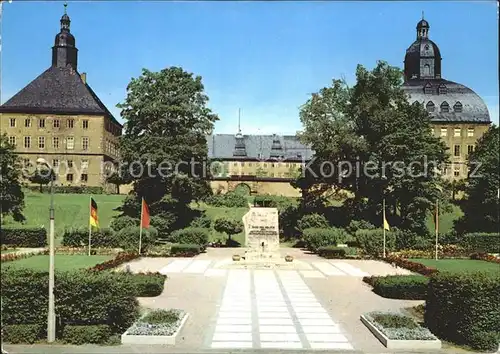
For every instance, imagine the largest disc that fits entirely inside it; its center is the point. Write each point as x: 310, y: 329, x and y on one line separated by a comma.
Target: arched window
x: 458, y: 107
x: 427, y: 70
x: 430, y: 107
x: 445, y: 107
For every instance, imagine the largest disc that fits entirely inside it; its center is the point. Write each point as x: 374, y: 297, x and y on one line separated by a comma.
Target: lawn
x: 71, y: 210
x: 460, y: 265
x: 62, y: 262
x: 445, y: 220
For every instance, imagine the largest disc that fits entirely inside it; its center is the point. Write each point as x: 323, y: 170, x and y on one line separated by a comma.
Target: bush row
x: 405, y: 287
x: 228, y: 200
x: 463, y: 308
x: 412, y: 266
x: 481, y: 242
x: 23, y: 236
x: 70, y: 189
x: 191, y: 235
x: 185, y: 250
x: 334, y: 252
x: 315, y: 238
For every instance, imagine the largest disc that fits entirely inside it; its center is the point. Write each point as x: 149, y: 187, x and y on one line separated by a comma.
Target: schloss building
x: 59, y: 117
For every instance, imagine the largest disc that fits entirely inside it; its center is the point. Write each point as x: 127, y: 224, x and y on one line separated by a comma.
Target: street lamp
x: 51, y: 318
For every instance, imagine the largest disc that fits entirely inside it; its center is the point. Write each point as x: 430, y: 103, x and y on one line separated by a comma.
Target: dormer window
x: 458, y: 107
x: 430, y: 107
x: 442, y: 89
x: 428, y: 89
x: 445, y: 107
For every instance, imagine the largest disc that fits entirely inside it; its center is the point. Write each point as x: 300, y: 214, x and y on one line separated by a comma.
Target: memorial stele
x: 262, y: 239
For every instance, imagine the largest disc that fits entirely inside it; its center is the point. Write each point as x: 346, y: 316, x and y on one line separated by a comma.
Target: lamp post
x: 51, y: 317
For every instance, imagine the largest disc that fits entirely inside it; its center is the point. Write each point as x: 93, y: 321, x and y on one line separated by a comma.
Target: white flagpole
x: 90, y: 225
x: 383, y: 223
x: 140, y: 226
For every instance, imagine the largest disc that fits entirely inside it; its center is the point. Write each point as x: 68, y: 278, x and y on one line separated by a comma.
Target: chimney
x: 83, y: 76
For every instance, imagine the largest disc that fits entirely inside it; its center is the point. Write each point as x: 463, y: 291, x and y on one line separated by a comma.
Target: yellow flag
x: 386, y: 224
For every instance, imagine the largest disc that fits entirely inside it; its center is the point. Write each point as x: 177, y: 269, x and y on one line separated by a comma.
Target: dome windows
x: 445, y: 107
x: 458, y: 108
x: 430, y: 107
x: 428, y: 89
x: 442, y: 90
x: 427, y: 70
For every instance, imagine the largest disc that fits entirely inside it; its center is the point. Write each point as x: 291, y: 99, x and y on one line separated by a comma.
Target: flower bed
x: 444, y: 251
x: 14, y: 256
x: 485, y: 257
x: 396, y: 331
x: 120, y: 258
x: 156, y: 327
x: 413, y: 266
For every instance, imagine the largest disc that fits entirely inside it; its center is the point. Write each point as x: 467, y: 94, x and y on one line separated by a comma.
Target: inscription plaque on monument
x: 262, y: 230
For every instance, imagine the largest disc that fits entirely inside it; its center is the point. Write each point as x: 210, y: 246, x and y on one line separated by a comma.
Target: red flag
x: 144, y: 215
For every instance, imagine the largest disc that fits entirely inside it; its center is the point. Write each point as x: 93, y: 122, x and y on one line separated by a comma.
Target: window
x: 56, y: 123
x: 470, y: 132
x: 430, y: 107
x: 69, y: 177
x: 85, y: 124
x: 13, y: 122
x: 70, y: 123
x: 55, y: 142
x: 85, y: 143
x: 470, y: 149
x: 242, y: 164
x: 458, y: 107
x: 85, y: 177
x: 444, y: 132
x: 442, y: 90
x: 27, y: 142
x: 457, y: 132
x: 456, y: 151
x: 428, y: 89
x: 235, y: 164
x: 427, y: 70
x: 70, y: 143
x: 55, y: 163
x: 456, y: 171
x: 85, y: 163
x: 445, y: 107
x: 41, y: 142
x: 41, y: 123
x: 70, y: 163
x: 27, y: 123
x: 12, y: 140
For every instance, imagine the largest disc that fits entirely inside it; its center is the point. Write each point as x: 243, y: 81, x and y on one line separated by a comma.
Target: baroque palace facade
x: 59, y: 118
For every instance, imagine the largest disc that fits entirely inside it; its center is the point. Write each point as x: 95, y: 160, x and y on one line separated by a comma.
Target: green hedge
x: 78, y: 335
x: 372, y: 241
x: 80, y: 238
x: 23, y: 333
x: 405, y: 287
x: 334, y: 252
x: 23, y: 236
x: 82, y: 298
x: 69, y: 189
x: 228, y: 200
x: 147, y: 284
x: 315, y: 238
x: 463, y: 308
x: 191, y: 235
x: 481, y: 242
x: 185, y: 250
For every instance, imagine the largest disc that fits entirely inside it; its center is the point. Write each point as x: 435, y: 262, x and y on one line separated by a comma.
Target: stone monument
x: 262, y: 238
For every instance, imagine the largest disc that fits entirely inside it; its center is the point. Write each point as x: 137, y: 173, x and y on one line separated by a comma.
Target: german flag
x: 93, y: 213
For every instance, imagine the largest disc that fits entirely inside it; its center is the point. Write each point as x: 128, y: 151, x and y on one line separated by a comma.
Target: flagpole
x: 140, y: 226
x: 90, y: 225
x: 383, y: 223
x: 437, y: 229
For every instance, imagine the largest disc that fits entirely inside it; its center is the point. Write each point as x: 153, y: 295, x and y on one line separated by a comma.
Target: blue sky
x: 265, y: 58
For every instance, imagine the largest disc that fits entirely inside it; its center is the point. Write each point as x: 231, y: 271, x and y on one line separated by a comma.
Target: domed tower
x: 423, y: 59
x: 64, y: 51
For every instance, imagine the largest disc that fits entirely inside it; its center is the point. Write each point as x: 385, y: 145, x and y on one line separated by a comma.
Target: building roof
x: 474, y: 110
x: 221, y: 146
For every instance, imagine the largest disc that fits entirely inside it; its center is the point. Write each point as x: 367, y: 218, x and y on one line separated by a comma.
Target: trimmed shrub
x: 122, y: 222
x: 128, y: 238
x: 310, y: 221
x: 228, y: 200
x: 185, y: 250
x: 334, y: 252
x: 481, y: 242
x: 463, y: 308
x: 30, y: 237
x: 80, y: 238
x: 146, y: 284
x: 372, y: 241
x: 404, y: 287
x: 22, y: 333
x: 228, y: 226
x: 202, y: 221
x: 78, y: 335
x: 356, y: 225
x: 318, y: 237
x: 191, y: 235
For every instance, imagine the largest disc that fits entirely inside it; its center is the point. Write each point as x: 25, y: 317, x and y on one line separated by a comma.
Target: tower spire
x: 239, y: 120
x: 64, y: 51
x: 422, y: 14
x: 65, y: 7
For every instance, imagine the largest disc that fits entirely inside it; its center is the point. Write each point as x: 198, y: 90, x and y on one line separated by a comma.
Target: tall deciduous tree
x: 12, y: 196
x: 481, y: 207
x: 164, y: 144
x: 368, y: 139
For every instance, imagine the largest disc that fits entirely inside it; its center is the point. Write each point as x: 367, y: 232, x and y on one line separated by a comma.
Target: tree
x: 12, y: 201
x: 369, y: 140
x: 228, y: 226
x: 163, y: 149
x: 42, y: 176
x: 481, y: 207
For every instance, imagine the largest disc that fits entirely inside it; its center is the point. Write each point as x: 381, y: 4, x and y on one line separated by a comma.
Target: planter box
x: 398, y: 343
x: 144, y: 339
